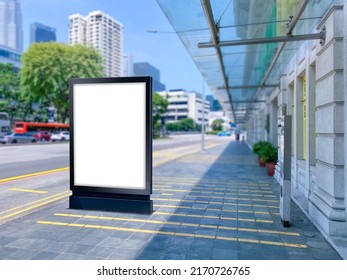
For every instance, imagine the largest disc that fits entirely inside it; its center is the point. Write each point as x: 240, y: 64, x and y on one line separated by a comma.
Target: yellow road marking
x: 26, y: 190
x: 303, y: 246
x: 201, y: 184
x: 179, y: 223
x: 213, y: 202
x: 216, y: 209
x: 171, y: 156
x: 231, y: 198
x: 213, y: 190
x: 34, y: 206
x: 209, y: 181
x: 32, y: 174
x: 214, y: 217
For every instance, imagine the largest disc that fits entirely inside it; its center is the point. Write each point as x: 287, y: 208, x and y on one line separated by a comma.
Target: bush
x: 258, y: 146
x: 269, y: 153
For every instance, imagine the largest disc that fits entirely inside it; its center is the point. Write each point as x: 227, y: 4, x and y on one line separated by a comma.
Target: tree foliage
x: 13, y: 101
x: 217, y: 124
x: 48, y: 67
x: 159, y: 105
x: 9, y: 82
x: 186, y: 124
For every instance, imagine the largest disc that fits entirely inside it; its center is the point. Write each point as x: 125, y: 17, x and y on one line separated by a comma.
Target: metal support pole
x: 255, y: 41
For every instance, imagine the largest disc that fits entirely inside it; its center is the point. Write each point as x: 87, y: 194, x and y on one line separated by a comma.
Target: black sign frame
x: 109, y: 198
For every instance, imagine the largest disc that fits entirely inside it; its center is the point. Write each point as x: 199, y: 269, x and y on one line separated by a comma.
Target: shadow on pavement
x: 220, y: 204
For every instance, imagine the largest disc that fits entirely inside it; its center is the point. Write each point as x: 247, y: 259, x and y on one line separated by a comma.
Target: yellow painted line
x: 205, y: 181
x: 178, y: 223
x: 213, y: 191
x: 229, y: 197
x: 34, y: 206
x: 215, y: 209
x: 26, y: 190
x: 167, y: 194
x: 171, y: 156
x: 33, y: 174
x: 213, y: 202
x: 203, y: 236
x: 205, y: 185
x: 213, y: 217
x: 36, y: 201
x: 226, y: 203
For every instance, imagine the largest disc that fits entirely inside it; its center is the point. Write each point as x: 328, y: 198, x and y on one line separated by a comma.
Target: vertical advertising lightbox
x: 111, y: 144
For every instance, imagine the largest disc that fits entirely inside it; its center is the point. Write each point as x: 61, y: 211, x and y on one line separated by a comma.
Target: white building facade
x: 184, y: 104
x: 103, y: 33
x: 313, y: 90
x: 11, y: 33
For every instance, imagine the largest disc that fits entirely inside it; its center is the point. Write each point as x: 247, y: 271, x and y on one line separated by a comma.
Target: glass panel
x: 244, y: 65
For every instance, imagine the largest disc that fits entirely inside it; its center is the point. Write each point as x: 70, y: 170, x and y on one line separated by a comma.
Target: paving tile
x: 22, y: 254
x: 5, y: 252
x: 222, y: 178
x: 102, y: 252
x: 224, y: 254
x: 59, y: 247
x: 45, y: 256
x: 123, y: 254
x: 4, y: 240
x: 79, y: 248
x: 111, y: 241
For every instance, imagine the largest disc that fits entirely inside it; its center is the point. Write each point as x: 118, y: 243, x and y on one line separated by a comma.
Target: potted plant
x: 269, y: 154
x: 258, y: 147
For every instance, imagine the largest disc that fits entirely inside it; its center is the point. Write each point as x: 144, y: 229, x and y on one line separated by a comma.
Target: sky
x: 164, y: 50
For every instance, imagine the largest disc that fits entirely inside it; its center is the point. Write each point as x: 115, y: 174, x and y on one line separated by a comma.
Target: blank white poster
x: 110, y: 135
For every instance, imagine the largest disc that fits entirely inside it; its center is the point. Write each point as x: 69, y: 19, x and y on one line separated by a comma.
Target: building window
x: 304, y: 118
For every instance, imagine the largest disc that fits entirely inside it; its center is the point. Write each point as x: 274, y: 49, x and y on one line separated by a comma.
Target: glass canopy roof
x: 237, y: 74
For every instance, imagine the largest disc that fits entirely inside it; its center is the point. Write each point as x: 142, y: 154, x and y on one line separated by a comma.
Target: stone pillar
x: 327, y: 204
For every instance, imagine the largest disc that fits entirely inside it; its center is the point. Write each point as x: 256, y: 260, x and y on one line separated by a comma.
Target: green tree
x: 187, y: 124
x: 217, y: 125
x: 159, y: 105
x: 48, y: 67
x: 173, y: 127
x: 12, y: 102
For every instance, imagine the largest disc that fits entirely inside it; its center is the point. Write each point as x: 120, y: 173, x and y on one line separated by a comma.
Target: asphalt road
x: 16, y: 160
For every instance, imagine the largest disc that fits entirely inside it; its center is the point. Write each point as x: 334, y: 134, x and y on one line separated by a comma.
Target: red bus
x: 23, y: 127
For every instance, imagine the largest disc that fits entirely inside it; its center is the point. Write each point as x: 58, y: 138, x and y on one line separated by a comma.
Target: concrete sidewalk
x: 214, y: 205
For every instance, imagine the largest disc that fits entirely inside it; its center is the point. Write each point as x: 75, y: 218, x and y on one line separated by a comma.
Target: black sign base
x: 131, y: 205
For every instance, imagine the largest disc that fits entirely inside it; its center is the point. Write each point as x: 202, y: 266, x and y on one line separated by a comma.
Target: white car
x: 60, y: 136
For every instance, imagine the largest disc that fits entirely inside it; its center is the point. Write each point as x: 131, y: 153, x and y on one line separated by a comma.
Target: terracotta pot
x: 270, y: 168
x: 261, y: 163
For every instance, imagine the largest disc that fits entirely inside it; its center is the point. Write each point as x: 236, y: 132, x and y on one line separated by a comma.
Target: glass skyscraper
x: 146, y: 69
x: 41, y: 33
x: 11, y: 33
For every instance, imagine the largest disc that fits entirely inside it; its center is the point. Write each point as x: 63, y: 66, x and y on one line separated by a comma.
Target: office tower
x: 9, y: 55
x: 146, y: 69
x: 11, y: 33
x: 128, y: 66
x: 103, y: 33
x: 214, y: 104
x: 41, y: 33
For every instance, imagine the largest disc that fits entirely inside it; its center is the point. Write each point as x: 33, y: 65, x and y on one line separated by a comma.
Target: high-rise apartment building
x: 41, y: 33
x: 103, y: 33
x: 11, y: 33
